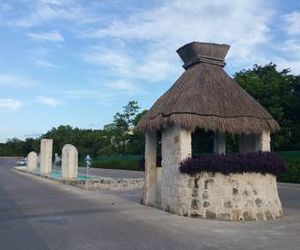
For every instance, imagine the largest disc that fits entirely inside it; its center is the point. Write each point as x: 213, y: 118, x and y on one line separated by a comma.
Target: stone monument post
x: 46, y: 156
x: 32, y: 160
x: 69, y: 164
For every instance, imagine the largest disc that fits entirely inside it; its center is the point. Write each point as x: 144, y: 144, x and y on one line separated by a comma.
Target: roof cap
x: 196, y: 52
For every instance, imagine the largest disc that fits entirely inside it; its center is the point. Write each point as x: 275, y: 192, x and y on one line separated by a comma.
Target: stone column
x: 263, y: 141
x: 149, y: 194
x: 219, y: 143
x: 176, y: 146
x: 46, y: 156
x: 255, y: 142
x: 69, y: 163
x: 32, y: 160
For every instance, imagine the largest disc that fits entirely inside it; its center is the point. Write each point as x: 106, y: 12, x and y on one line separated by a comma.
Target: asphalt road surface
x: 36, y: 213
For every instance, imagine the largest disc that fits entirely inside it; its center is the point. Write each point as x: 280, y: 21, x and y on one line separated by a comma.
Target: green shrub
x: 292, y: 174
x: 289, y: 154
x: 126, y: 162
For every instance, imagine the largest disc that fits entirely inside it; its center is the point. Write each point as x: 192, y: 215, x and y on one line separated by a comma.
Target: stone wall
x: 237, y: 197
x: 111, y: 184
x: 96, y: 183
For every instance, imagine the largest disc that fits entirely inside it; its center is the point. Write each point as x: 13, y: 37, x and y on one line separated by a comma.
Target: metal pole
x: 87, y: 167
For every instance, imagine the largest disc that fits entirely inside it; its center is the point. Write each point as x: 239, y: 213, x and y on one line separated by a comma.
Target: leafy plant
x: 258, y: 162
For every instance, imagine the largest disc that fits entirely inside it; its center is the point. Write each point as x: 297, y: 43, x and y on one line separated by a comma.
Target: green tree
x: 277, y: 91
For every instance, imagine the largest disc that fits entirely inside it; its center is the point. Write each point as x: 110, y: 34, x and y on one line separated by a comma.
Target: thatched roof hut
x: 205, y: 96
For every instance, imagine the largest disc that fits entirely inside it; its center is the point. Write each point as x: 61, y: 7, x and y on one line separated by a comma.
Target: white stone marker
x: 32, y: 160
x: 69, y: 163
x: 46, y: 156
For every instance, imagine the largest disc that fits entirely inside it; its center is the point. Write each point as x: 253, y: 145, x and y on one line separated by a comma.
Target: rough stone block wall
x: 236, y: 197
x: 110, y: 184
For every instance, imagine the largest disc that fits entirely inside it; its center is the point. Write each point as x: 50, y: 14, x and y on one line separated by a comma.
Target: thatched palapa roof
x: 205, y: 96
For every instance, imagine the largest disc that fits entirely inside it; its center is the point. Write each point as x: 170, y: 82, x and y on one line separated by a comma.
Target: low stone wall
x: 109, y: 184
x: 236, y: 197
x: 97, y: 183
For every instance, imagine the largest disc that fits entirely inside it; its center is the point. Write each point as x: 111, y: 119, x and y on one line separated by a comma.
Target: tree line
x: 114, y: 139
x: 277, y: 90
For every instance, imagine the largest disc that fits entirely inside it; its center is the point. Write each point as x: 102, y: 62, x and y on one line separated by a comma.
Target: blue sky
x: 78, y: 62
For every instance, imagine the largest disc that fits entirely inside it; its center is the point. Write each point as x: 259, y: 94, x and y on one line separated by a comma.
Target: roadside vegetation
x: 118, y: 146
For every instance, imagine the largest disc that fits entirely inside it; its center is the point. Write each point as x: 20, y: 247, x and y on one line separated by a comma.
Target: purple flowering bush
x: 258, y: 162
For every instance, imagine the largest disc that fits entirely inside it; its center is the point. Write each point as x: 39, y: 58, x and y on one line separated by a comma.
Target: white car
x: 22, y: 162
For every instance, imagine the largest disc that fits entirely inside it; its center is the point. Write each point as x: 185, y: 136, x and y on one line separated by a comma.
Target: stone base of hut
x: 236, y: 197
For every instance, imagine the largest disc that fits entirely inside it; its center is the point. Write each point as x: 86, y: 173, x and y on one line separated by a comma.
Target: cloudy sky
x: 78, y: 62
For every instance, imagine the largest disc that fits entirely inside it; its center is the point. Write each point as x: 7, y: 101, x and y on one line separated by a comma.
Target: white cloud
x: 95, y: 93
x: 7, y: 80
x: 160, y: 31
x: 49, y: 101
x: 109, y: 58
x: 154, y: 66
x: 292, y: 22
x: 43, y: 62
x: 41, y: 57
x: 123, y: 85
x: 10, y: 105
x: 45, y: 11
x: 53, y: 36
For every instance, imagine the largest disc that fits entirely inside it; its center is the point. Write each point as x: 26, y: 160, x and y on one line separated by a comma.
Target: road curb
x: 285, y: 184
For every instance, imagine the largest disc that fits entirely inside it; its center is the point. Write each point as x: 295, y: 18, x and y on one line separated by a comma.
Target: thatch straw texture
x: 205, y: 97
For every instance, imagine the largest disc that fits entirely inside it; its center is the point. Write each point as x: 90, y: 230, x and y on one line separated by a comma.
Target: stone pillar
x: 176, y: 146
x: 46, y: 156
x: 263, y: 141
x: 32, y: 160
x: 69, y: 163
x: 149, y: 194
x: 255, y: 142
x: 219, y: 143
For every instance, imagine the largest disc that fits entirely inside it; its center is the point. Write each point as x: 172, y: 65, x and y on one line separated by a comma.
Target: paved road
x: 41, y: 214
